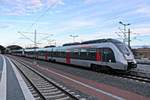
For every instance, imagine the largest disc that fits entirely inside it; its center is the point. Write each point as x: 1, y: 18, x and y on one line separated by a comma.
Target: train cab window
x: 108, y: 55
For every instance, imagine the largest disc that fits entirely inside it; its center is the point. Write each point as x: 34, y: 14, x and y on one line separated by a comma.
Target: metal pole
x: 35, y: 42
x: 129, y: 37
x: 125, y: 36
x: 35, y: 38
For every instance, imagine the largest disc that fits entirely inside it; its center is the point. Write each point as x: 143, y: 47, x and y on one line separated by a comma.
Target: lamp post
x: 74, y: 36
x: 50, y: 42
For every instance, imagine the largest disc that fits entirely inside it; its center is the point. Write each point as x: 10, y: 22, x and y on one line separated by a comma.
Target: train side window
x: 50, y: 53
x: 91, y: 54
x: 59, y: 53
x: 76, y: 54
x: 55, y: 54
x: 83, y: 54
x: 71, y: 53
x: 42, y: 53
x: 79, y: 52
x: 108, y: 55
x: 63, y: 53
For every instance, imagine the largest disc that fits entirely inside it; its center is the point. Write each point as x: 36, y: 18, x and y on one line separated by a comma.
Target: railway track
x: 44, y: 88
x: 136, y: 78
x: 129, y: 76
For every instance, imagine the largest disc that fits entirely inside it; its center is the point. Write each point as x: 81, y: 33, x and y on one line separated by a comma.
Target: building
x: 142, y: 53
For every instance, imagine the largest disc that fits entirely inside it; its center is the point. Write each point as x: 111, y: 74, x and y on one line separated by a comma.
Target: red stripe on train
x: 98, y: 56
x: 68, y: 58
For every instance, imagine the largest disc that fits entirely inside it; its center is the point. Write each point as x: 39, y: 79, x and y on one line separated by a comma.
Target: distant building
x: 141, y: 53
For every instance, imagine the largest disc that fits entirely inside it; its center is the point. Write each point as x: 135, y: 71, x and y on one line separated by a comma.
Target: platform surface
x: 10, y: 87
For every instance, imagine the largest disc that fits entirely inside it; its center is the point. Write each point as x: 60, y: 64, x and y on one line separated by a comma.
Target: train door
x: 46, y: 55
x: 98, y: 55
x: 51, y: 53
x: 68, y: 57
x: 37, y: 54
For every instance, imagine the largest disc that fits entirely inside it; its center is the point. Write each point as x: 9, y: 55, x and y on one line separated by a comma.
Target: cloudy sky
x: 89, y: 19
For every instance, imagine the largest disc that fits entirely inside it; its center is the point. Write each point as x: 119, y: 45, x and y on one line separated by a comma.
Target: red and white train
x: 97, y: 54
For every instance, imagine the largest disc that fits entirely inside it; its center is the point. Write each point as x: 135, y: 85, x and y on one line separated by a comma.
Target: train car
x: 19, y: 52
x: 96, y: 54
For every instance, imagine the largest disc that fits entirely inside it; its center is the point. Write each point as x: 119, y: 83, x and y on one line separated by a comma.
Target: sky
x: 55, y: 20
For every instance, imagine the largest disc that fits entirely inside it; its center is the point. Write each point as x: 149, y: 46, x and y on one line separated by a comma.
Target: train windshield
x: 123, y: 48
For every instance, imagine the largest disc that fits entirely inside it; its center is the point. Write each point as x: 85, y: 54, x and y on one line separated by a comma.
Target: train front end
x: 128, y: 55
x: 130, y: 59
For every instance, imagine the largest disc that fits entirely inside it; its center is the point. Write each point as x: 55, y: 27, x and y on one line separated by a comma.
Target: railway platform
x: 12, y: 86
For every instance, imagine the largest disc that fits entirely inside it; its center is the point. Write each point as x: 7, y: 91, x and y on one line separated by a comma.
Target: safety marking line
x: 3, y: 87
x: 26, y: 92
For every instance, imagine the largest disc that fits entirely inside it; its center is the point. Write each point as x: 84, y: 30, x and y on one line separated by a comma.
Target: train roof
x: 69, y: 44
x: 93, y: 41
x: 101, y: 41
x: 50, y: 46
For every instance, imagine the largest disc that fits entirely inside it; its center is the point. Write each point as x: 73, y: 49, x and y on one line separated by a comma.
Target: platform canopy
x: 14, y: 47
x: 2, y: 49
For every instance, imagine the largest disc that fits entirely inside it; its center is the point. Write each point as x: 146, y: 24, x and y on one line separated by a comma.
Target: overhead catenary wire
x: 40, y: 16
x: 25, y: 36
x: 36, y: 21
